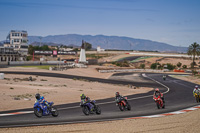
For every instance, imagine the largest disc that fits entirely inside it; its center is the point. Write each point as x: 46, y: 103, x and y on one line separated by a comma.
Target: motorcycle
x: 90, y: 107
x: 164, y: 77
x: 197, y: 97
x: 40, y: 109
x: 159, y: 102
x: 123, y: 104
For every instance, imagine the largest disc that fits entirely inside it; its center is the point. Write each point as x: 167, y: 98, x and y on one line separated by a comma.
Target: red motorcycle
x: 123, y: 104
x: 159, y: 102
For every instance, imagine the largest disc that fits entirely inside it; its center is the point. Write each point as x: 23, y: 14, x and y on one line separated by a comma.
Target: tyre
x: 54, y: 112
x: 121, y: 106
x: 98, y: 110
x: 38, y: 112
x: 86, y: 110
x: 158, y: 105
x: 163, y: 105
x: 197, y: 99
x: 128, y: 106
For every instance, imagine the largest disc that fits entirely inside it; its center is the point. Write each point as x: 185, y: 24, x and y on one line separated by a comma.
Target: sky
x: 176, y: 22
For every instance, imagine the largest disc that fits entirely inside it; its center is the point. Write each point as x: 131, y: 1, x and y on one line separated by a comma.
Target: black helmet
x: 117, y: 94
x: 37, y: 96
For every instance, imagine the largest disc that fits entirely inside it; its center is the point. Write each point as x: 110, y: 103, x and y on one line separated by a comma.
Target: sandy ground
x: 174, y: 61
x: 190, y: 78
x: 88, y: 72
x: 17, y: 93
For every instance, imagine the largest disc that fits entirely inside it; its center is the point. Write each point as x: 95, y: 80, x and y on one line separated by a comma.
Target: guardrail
x: 132, y: 70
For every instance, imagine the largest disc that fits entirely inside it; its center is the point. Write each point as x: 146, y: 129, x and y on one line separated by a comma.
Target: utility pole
x: 40, y: 40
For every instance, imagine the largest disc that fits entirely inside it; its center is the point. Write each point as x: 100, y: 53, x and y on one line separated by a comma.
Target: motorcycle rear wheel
x: 38, y: 113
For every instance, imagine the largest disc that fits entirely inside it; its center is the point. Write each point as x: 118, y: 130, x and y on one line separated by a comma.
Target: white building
x: 99, y: 49
x: 18, y: 40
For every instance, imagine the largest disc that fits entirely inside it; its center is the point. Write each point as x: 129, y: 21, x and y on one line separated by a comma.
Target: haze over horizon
x: 175, y: 22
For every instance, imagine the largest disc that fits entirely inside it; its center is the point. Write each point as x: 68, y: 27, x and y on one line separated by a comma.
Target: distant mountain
x: 45, y: 43
x: 108, y: 42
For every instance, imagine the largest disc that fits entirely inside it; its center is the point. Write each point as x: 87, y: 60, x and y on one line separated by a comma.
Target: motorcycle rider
x: 196, y: 90
x: 86, y: 99
x: 118, y: 98
x: 158, y: 93
x: 41, y: 99
x: 164, y: 77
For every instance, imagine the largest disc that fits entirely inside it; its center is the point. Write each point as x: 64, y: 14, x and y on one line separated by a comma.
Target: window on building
x: 16, y: 40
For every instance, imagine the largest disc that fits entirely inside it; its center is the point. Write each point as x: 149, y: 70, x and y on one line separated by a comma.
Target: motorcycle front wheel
x: 128, y: 106
x: 121, y: 106
x: 158, y: 105
x: 54, y: 111
x: 98, y: 110
x: 38, y: 112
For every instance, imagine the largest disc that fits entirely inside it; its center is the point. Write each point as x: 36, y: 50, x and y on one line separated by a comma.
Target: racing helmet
x: 82, y: 96
x: 157, y: 90
x: 196, y: 86
x: 37, y: 96
x: 117, y: 94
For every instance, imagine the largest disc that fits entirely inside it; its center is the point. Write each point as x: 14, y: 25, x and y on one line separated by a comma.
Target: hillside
x: 109, y: 42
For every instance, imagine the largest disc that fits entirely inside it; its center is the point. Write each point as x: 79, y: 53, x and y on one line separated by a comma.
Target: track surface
x: 179, y: 97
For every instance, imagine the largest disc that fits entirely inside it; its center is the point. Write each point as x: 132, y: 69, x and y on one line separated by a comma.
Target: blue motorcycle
x: 90, y: 107
x: 40, y: 109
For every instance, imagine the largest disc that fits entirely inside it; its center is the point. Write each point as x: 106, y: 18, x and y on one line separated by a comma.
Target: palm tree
x: 194, y: 50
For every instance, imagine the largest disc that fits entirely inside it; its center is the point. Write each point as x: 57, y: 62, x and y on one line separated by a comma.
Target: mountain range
x: 107, y: 42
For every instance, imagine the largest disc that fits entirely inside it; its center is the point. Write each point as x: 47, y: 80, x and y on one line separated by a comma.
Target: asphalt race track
x: 178, y: 95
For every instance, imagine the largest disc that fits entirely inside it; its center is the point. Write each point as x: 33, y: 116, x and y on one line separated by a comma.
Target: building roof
x: 18, y: 31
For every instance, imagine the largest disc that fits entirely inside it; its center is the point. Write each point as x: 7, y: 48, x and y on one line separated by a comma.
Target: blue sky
x: 176, y: 22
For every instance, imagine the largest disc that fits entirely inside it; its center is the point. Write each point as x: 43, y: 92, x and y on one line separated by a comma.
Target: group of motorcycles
x: 92, y: 108
x: 40, y: 109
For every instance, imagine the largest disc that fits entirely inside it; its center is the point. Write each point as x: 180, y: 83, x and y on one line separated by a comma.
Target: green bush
x: 28, y: 58
x: 142, y: 66
x: 184, y: 66
x: 155, y: 66
x: 179, y: 64
x: 170, y: 66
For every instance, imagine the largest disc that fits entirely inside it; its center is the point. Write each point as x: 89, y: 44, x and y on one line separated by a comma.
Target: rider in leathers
x: 157, y: 92
x: 118, y: 98
x: 86, y: 99
x: 196, y: 90
x: 41, y: 99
